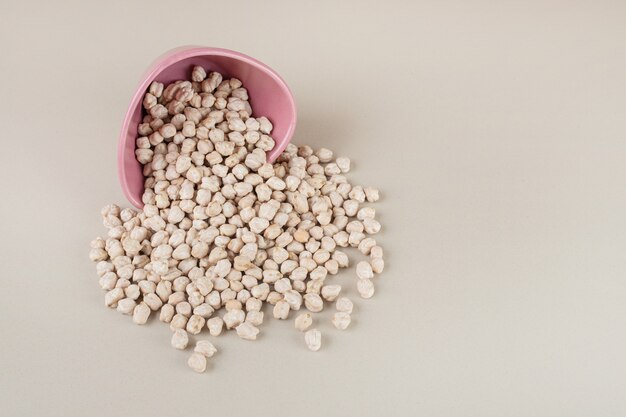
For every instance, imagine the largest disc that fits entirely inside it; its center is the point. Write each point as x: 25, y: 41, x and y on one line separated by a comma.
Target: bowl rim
x: 171, y: 57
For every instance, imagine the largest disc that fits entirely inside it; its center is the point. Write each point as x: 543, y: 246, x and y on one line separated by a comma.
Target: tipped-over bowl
x: 269, y: 96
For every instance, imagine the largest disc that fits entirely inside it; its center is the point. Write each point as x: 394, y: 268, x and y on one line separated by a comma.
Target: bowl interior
x: 269, y: 96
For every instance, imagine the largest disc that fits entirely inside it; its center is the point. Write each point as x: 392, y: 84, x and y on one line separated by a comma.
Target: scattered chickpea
x: 313, y: 339
x: 205, y: 348
x: 341, y: 320
x: 180, y: 339
x: 364, y: 270
x: 344, y: 305
x: 215, y: 326
x: 247, y: 331
x: 365, y: 287
x: 303, y: 321
x: 197, y: 362
x: 141, y: 313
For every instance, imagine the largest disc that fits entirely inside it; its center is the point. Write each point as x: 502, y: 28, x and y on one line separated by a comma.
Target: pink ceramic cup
x: 269, y: 97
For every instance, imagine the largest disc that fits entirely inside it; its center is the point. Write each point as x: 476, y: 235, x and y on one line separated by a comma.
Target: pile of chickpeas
x: 223, y: 232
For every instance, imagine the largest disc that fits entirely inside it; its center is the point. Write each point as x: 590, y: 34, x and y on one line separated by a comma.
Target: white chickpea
x: 313, y: 339
x: 215, y: 326
x: 247, y: 331
x: 197, y: 362
x: 180, y: 339
x: 141, y: 313
x: 365, y: 287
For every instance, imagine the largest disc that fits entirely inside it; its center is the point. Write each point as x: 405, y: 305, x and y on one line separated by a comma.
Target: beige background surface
x: 496, y: 131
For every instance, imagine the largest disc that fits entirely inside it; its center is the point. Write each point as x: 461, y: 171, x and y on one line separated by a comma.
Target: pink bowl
x: 269, y: 96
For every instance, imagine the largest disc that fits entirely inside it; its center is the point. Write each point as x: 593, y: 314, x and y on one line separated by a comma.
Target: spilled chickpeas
x: 223, y: 232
